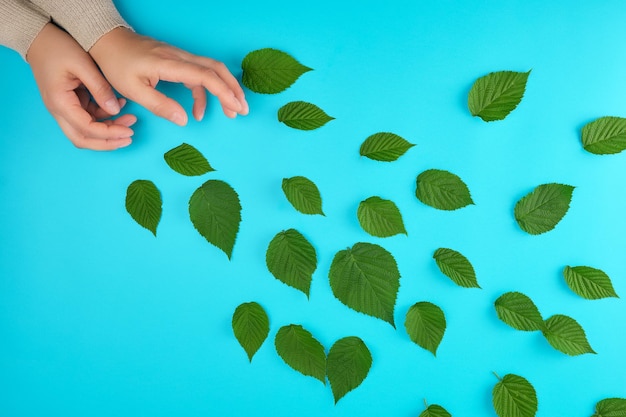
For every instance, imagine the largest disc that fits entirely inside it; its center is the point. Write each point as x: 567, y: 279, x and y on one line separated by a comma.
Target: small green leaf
x: 302, y: 115
x: 543, y: 208
x: 384, y: 146
x: 143, y: 203
x: 215, y: 212
x: 611, y: 407
x: 303, y: 195
x: 589, y: 283
x: 496, y: 94
x: 270, y: 71
x: 348, y: 363
x: 519, y: 312
x: 435, y: 410
x: 514, y: 396
x: 251, y: 327
x: 292, y: 259
x: 456, y: 267
x: 300, y: 350
x: 442, y: 190
x: 566, y: 335
x: 366, y: 279
x: 380, y: 217
x: 425, y: 323
x: 606, y: 135
x: 187, y: 160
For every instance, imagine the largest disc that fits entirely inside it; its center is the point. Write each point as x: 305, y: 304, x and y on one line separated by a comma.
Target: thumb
x: 98, y: 86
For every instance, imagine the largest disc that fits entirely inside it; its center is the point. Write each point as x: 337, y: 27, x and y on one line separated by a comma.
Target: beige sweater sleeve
x: 20, y: 22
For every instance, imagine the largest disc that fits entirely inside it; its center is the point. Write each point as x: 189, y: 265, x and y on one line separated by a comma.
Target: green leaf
x: 292, y: 259
x: 380, y: 217
x: 215, y: 212
x: 302, y: 115
x: 187, y: 160
x: 566, y: 335
x: 519, y: 312
x: 348, y: 363
x: 514, y: 396
x: 384, y: 146
x: 456, y: 267
x: 589, y: 283
x: 303, y: 195
x: 543, y: 208
x: 435, y: 410
x: 251, y: 327
x: 442, y: 190
x: 606, y: 135
x: 270, y: 71
x: 425, y: 323
x: 366, y: 279
x: 300, y: 350
x: 143, y: 203
x: 611, y: 407
x: 496, y: 94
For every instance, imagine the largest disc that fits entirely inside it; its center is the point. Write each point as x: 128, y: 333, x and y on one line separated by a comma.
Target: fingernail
x: 125, y: 144
x: 112, y: 106
x: 178, y: 118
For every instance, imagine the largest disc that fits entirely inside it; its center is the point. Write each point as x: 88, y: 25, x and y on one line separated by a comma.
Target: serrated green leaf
x: 348, y: 363
x: 251, y: 327
x: 302, y: 115
x: 292, y: 259
x: 380, y: 217
x: 425, y: 323
x: 215, y: 211
x: 611, y: 407
x: 442, y: 190
x: 300, y: 350
x: 143, y: 203
x: 518, y: 311
x: 588, y: 282
x: 384, y: 146
x: 604, y: 136
x: 435, y: 410
x: 270, y: 71
x: 514, y: 396
x: 495, y: 95
x: 366, y: 279
x: 303, y: 195
x: 543, y: 208
x: 456, y: 267
x: 187, y: 160
x: 566, y: 335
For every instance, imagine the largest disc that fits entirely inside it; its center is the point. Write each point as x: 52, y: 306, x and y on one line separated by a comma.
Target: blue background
x: 99, y: 318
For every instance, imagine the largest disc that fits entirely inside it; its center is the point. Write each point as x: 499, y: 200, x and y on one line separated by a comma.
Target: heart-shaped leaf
x: 270, y: 71
x: 442, y: 190
x: 543, y: 208
x: 425, y: 323
x: 495, y: 95
x: 302, y: 115
x: 187, y: 160
x: 251, y: 327
x: 456, y: 267
x: 300, y: 350
x: 384, y: 146
x: 518, y: 311
x: 292, y: 259
x: 380, y: 217
x: 348, y: 363
x: 303, y: 195
x: 143, y: 203
x: 514, y: 396
x: 606, y: 135
x: 435, y: 410
x: 566, y: 335
x: 611, y: 407
x: 588, y: 282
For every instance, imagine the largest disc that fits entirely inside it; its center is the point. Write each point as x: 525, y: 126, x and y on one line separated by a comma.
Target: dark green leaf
x: 425, y: 323
x: 292, y: 259
x: 384, y: 146
x: 495, y: 95
x: 251, y: 327
x: 519, y: 312
x: 611, y: 407
x: 303, y: 195
x: 302, y: 115
x: 187, y: 160
x: 143, y: 203
x: 380, y: 217
x: 442, y: 190
x: 543, y: 208
x: 606, y: 135
x: 456, y: 267
x: 589, y: 283
x: 300, y: 350
x: 270, y: 71
x: 435, y: 410
x: 514, y: 396
x: 566, y: 335
x: 348, y: 363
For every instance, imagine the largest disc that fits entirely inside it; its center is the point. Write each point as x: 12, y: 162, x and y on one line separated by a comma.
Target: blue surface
x: 99, y: 318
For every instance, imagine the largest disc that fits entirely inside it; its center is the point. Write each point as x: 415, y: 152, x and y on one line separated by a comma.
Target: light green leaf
x: 425, y: 323
x: 302, y: 115
x: 514, y: 396
x: 187, y: 160
x: 456, y: 267
x: 251, y: 327
x: 519, y: 312
x: 384, y: 146
x: 496, y: 94
x: 300, y: 350
x: 366, y: 279
x: 435, y: 410
x: 566, y: 335
x: 606, y: 135
x: 442, y: 190
x: 292, y: 259
x: 589, y: 283
x: 348, y: 363
x: 380, y: 217
x: 270, y: 71
x: 543, y: 208
x: 215, y: 212
x: 143, y: 203
x: 611, y: 407
x: 303, y: 195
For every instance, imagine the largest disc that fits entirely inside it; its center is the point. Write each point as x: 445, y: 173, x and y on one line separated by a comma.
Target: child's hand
x: 66, y: 75
x: 134, y: 64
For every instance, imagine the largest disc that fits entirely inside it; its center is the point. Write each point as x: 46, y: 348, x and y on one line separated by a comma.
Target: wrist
x: 110, y: 42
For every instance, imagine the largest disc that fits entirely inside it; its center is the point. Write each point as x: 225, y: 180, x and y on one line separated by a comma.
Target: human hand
x: 135, y: 64
x: 66, y: 75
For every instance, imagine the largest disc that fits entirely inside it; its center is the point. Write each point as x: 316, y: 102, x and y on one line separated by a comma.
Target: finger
x: 126, y: 120
x: 99, y: 113
x: 199, y: 102
x: 83, y: 142
x: 98, y: 86
x: 159, y: 104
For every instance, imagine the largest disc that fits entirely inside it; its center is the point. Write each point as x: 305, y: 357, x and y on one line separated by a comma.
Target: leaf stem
x: 425, y: 403
x: 497, y: 376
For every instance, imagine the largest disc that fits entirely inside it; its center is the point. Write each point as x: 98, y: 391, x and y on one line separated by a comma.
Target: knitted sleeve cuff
x: 20, y: 23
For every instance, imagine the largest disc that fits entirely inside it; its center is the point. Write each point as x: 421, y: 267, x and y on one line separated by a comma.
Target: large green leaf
x: 543, y: 208
x: 348, y: 363
x: 442, y: 190
x: 215, y: 212
x: 380, y: 217
x: 514, y: 396
x: 456, y: 267
x: 303, y: 195
x: 588, y: 282
x: 143, y: 203
x: 270, y: 71
x: 519, y: 312
x: 435, y: 410
x: 251, y: 327
x: 611, y: 407
x: 366, y: 279
x: 300, y: 350
x: 384, y: 146
x: 496, y: 94
x: 425, y: 323
x: 292, y: 259
x: 187, y: 160
x: 606, y: 135
x: 302, y: 115
x: 566, y: 335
